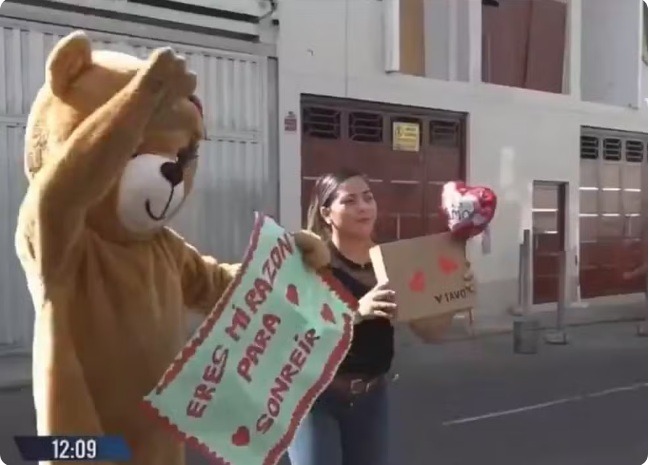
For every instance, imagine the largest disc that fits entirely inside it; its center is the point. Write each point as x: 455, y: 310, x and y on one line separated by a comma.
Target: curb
x: 574, y: 317
x: 15, y: 369
x: 15, y: 385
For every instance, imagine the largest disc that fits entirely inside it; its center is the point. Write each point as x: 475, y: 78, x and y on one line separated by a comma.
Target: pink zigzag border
x: 304, y: 405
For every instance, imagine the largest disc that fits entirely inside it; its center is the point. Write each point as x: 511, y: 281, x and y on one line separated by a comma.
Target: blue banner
x: 82, y: 448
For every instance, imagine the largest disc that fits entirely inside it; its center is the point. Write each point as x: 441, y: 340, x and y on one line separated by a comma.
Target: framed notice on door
x: 405, y: 136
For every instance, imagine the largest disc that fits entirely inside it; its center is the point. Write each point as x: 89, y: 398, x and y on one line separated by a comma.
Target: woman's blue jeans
x: 338, y: 431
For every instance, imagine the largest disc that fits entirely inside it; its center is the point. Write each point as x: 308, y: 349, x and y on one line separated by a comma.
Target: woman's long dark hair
x: 322, y: 195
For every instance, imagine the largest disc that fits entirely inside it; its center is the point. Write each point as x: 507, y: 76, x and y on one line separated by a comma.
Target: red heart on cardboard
x: 417, y: 281
x: 291, y: 294
x: 327, y: 314
x: 447, y: 265
x: 241, y: 437
x: 468, y: 210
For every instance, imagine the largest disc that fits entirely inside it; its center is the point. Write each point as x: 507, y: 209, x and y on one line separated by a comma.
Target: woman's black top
x: 372, y: 347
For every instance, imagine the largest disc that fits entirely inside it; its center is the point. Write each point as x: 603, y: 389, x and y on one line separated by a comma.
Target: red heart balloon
x: 469, y: 210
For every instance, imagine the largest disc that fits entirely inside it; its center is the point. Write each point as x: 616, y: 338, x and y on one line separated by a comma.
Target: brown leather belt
x: 353, y: 385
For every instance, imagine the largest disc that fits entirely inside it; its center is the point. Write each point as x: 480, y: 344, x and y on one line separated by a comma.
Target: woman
x: 348, y: 424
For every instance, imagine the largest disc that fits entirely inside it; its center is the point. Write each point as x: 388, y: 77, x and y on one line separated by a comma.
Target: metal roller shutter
x: 235, y: 177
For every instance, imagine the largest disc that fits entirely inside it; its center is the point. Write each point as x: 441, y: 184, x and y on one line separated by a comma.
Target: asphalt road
x: 463, y: 403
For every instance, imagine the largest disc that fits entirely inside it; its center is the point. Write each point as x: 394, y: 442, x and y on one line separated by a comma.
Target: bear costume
x: 111, y: 150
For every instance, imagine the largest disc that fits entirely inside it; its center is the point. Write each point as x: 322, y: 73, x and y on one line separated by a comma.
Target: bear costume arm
x: 204, y: 279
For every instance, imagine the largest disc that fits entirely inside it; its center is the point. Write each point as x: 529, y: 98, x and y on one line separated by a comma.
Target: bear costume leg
x: 63, y: 404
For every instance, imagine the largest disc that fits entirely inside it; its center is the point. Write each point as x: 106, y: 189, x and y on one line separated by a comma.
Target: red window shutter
x: 547, y: 38
x: 505, y: 36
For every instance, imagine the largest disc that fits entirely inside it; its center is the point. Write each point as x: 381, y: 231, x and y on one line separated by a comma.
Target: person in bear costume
x: 111, y: 150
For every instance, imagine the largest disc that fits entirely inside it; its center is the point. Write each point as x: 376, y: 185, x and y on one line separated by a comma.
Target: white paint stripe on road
x: 509, y: 412
x: 501, y: 413
x: 631, y: 387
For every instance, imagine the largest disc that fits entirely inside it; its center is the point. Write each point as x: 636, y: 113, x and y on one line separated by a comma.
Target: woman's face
x: 352, y: 212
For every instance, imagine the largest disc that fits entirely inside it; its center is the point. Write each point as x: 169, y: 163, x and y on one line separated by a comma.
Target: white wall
x: 437, y: 35
x: 611, y: 51
x: 515, y: 135
x: 643, y: 85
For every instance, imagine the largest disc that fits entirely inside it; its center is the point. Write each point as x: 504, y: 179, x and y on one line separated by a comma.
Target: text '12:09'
x: 86, y: 448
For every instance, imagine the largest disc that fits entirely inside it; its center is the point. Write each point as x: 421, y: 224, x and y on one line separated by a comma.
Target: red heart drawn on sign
x: 417, y: 281
x: 447, y: 265
x: 469, y: 210
x: 327, y: 314
x: 241, y: 437
x: 291, y: 294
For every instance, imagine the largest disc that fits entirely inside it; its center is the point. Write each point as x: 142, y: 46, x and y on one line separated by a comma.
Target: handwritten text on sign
x: 240, y: 387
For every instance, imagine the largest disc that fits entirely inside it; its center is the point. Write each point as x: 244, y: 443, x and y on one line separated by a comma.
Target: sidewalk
x: 577, y: 315
x: 15, y: 366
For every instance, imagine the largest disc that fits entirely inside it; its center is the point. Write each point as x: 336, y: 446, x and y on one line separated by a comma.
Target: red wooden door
x: 548, y: 239
x: 407, y: 184
x: 612, y: 211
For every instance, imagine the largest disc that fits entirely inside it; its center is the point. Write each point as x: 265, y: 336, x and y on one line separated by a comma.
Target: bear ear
x: 70, y: 56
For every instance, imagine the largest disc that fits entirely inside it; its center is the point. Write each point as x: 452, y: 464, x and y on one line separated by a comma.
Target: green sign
x: 240, y: 387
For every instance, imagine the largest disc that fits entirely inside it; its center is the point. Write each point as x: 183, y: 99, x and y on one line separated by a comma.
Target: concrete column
x: 453, y: 12
x: 572, y: 72
x: 475, y: 41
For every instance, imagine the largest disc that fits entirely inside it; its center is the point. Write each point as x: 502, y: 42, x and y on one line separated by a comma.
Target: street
x: 467, y: 402
x: 531, y: 409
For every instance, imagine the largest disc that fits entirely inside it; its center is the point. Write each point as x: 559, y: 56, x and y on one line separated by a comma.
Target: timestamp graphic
x: 87, y: 448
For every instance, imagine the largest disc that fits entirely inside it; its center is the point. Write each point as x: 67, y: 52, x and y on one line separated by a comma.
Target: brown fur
x: 108, y: 300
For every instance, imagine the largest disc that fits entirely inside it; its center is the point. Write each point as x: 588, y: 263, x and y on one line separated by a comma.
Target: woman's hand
x: 635, y: 273
x: 377, y: 303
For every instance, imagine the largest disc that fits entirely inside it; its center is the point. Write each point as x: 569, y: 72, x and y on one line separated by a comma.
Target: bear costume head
x: 111, y: 151
x: 156, y: 180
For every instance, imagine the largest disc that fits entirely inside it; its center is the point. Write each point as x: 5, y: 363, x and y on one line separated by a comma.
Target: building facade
x: 542, y: 100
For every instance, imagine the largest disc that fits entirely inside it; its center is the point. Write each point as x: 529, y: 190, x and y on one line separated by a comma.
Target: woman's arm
x: 639, y: 271
x: 205, y: 279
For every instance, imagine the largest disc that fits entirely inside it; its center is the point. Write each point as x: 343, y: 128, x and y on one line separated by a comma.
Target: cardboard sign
x: 426, y: 273
x: 241, y: 386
